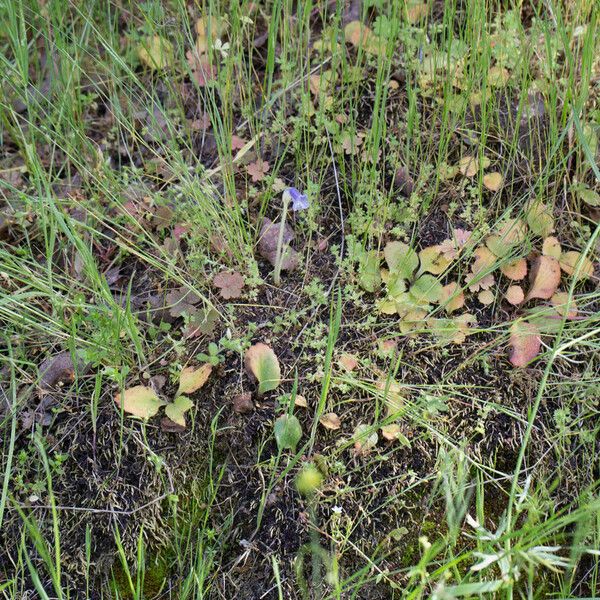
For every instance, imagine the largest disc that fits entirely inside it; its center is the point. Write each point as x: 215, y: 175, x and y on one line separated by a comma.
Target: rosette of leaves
x: 411, y: 291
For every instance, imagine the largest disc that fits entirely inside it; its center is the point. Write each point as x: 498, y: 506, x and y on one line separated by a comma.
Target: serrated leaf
x: 288, y: 431
x: 515, y: 270
x: 262, y: 362
x: 426, y: 289
x: 401, y: 259
x: 140, y: 401
x: 544, y: 277
x: 525, y: 343
x: 177, y: 409
x: 191, y: 379
x: 452, y: 298
x: 515, y: 295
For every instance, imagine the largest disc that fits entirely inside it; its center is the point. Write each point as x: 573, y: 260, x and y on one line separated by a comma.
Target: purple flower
x: 299, y: 201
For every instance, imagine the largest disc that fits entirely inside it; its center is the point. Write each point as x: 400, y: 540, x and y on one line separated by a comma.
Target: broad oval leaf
x: 140, y: 401
x: 369, y: 276
x: 426, y: 289
x: 551, y: 247
x: 288, y: 431
x: 525, y: 343
x: 515, y: 270
x: 545, y: 278
x: 262, y: 362
x: 401, y: 259
x: 540, y: 220
x: 191, y: 380
x: 330, y: 421
x: 569, y: 264
x: 433, y: 260
x: 515, y: 295
x: 452, y: 297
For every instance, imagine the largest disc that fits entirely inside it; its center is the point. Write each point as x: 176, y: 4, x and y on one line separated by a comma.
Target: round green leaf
x: 288, y: 432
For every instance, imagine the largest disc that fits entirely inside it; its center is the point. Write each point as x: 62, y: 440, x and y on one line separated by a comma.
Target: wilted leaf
x: 515, y: 270
x: 401, y: 259
x: 525, y: 343
x: 258, y: 169
x: 156, y: 52
x: 202, y: 69
x: 201, y: 322
x: 361, y: 36
x: 540, y: 219
x: 515, y: 295
x: 369, y: 276
x: 267, y: 245
x: 544, y: 278
x: 191, y: 379
x: 551, y: 247
x: 469, y: 165
x: 569, y: 261
x: 415, y: 11
x: 476, y: 282
x: 300, y: 401
x: 426, y: 289
x: 176, y: 410
x: 560, y: 301
x: 230, y: 284
x: 452, y: 298
x: 330, y: 421
x: 288, y: 432
x: 451, y: 331
x: 140, y: 401
x: 493, y: 181
x: 433, y: 260
x: 261, y: 361
x: 412, y: 320
x: 242, y: 403
x: 393, y: 396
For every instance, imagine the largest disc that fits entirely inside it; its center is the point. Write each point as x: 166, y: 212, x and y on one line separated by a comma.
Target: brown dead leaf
x: 300, y: 401
x: 267, y: 245
x: 242, y: 403
x: 230, y: 284
x: 348, y: 362
x: 330, y: 421
x: 525, y: 343
x: 544, y: 278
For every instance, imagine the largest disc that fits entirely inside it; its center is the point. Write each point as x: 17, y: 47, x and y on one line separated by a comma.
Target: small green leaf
x: 401, y: 259
x: 587, y: 195
x: 540, y: 220
x: 288, y: 432
x: 177, y: 409
x: 369, y: 276
x: 262, y: 362
x: 426, y: 289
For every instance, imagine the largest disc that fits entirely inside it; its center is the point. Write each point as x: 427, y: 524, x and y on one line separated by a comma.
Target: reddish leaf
x: 258, y: 169
x: 525, y: 343
x: 230, y: 284
x: 267, y: 245
x: 515, y: 295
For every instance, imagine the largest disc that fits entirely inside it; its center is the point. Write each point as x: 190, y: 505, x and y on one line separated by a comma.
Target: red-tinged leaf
x: 258, y: 169
x: 525, y: 343
x: 570, y: 262
x: 230, y: 284
x: 262, y: 363
x: 515, y: 295
x: 515, y: 270
x: 452, y: 297
x: 191, y: 380
x: 544, y: 278
x: 237, y: 143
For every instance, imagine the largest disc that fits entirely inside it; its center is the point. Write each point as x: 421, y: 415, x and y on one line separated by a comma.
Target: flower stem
x: 279, y: 255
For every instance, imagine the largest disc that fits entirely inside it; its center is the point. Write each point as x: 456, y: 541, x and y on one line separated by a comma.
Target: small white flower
x: 221, y: 47
x: 337, y: 510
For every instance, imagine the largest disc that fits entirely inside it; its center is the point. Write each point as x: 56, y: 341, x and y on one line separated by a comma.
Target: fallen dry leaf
x: 525, y: 343
x: 515, y: 295
x: 230, y: 284
x: 469, y: 165
x: 267, y: 245
x: 391, y: 432
x: 300, y: 401
x: 330, y: 421
x: 258, y: 169
x: 492, y: 181
x: 242, y: 403
x: 544, y: 278
x: 486, y: 297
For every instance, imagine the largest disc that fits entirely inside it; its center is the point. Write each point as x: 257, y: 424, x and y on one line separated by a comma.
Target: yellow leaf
x: 569, y: 264
x: 330, y: 421
x: 140, y: 401
x: 191, y: 380
x: 493, y: 181
x: 156, y: 52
